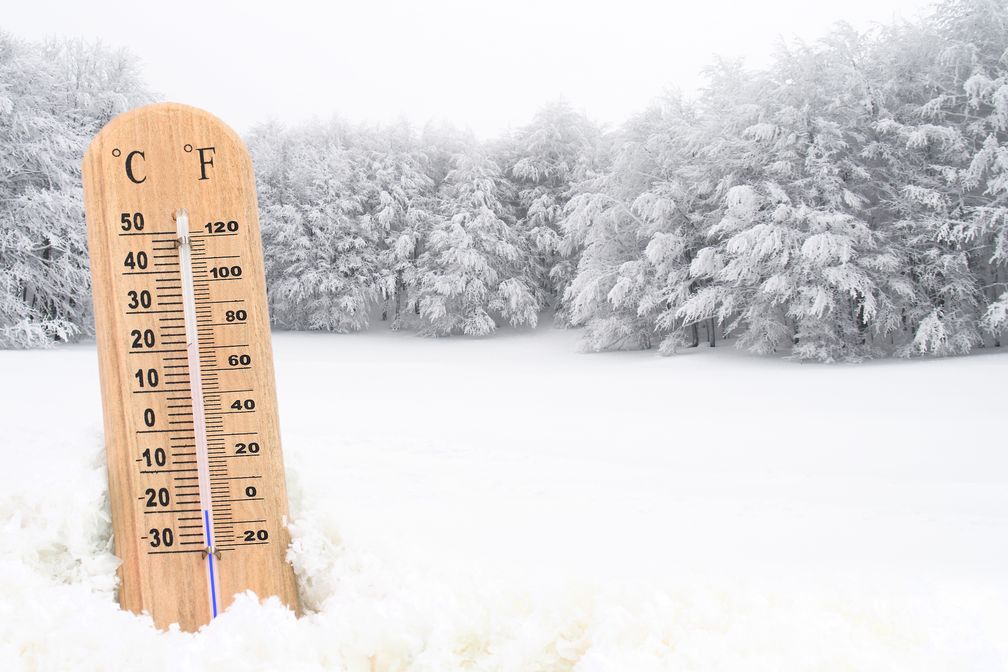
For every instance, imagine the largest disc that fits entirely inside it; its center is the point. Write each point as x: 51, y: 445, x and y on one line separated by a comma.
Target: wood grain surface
x: 154, y: 161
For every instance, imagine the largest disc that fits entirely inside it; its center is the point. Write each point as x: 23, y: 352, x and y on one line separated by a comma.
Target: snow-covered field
x: 508, y: 504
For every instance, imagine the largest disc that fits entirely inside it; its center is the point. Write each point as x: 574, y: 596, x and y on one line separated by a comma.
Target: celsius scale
x: 196, y: 481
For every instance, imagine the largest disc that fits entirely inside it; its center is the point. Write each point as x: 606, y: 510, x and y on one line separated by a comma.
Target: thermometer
x: 196, y: 481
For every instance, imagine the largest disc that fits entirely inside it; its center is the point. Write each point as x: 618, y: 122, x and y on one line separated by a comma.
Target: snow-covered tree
x: 800, y: 264
x: 684, y: 183
x: 738, y: 211
x: 471, y: 267
x: 53, y: 99
x: 547, y: 159
x: 637, y: 232
x: 403, y: 203
x: 795, y: 274
x: 974, y: 97
x: 320, y: 242
x: 936, y: 141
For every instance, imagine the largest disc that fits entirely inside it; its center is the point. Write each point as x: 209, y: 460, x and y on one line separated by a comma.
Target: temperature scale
x: 196, y: 479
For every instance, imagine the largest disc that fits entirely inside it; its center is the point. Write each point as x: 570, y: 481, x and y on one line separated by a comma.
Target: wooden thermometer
x: 196, y: 477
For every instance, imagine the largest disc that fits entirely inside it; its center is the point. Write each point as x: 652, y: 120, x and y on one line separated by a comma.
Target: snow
x: 508, y: 504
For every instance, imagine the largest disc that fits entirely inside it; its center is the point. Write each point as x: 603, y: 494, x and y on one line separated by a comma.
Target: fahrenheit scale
x: 196, y: 478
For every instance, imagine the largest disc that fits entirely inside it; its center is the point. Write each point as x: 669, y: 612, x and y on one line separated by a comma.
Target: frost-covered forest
x: 848, y: 201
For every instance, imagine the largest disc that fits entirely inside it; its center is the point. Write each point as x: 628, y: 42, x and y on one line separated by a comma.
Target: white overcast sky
x: 483, y: 65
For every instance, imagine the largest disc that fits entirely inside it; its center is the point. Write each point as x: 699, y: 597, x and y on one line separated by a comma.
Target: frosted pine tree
x: 678, y: 207
x: 794, y: 277
x: 638, y: 229
x: 798, y: 266
x: 918, y: 164
x: 320, y: 241
x: 471, y: 269
x: 976, y: 42
x: 611, y: 275
x: 547, y: 160
x: 938, y: 136
x: 402, y: 201
x: 53, y: 99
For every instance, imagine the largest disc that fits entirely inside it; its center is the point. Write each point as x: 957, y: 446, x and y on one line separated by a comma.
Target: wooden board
x: 154, y: 161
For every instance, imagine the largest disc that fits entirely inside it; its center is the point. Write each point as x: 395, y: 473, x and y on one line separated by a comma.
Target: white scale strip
x: 196, y: 392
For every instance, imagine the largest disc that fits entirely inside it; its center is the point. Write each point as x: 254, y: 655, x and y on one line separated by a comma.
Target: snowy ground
x: 508, y: 504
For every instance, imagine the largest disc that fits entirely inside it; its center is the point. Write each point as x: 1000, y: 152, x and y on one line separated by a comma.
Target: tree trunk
x: 711, y: 332
x: 695, y: 333
x: 399, y: 288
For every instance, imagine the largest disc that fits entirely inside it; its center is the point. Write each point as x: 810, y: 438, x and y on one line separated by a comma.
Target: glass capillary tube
x: 196, y: 394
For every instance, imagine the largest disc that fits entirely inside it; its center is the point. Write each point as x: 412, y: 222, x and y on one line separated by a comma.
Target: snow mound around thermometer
x: 57, y: 578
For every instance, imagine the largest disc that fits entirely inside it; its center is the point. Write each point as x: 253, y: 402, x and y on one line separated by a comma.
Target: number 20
x: 253, y: 535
